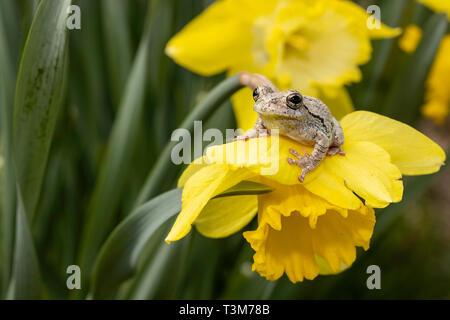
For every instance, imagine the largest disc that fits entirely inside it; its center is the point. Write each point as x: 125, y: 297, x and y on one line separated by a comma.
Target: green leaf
x: 415, y: 187
x: 119, y: 255
x: 246, y: 188
x: 88, y: 82
x: 118, y: 43
x: 26, y: 280
x: 8, y: 194
x: 403, y: 101
x: 102, y: 209
x: 156, y: 273
x: 382, y: 49
x: 203, y: 111
x: 39, y: 93
x: 241, y: 278
x: 118, y: 258
x: 161, y: 81
x: 11, y: 26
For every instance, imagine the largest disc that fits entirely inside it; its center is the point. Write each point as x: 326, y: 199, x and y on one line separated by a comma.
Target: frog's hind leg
x: 335, y: 150
x: 338, y: 140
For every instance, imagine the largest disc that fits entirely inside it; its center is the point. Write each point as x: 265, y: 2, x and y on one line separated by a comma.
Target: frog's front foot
x: 335, y: 150
x: 253, y: 134
x: 249, y: 135
x: 242, y: 138
x: 304, y: 162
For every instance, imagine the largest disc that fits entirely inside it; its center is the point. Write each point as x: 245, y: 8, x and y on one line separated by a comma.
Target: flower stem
x: 254, y: 80
x: 201, y: 112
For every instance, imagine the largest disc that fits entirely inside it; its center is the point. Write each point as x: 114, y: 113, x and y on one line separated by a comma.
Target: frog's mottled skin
x: 309, y: 121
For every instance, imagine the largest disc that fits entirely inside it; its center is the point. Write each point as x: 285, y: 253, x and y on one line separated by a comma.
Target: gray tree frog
x: 299, y: 117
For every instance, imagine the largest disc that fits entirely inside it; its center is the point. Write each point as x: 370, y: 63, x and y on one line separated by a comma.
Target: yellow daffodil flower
x: 438, y: 5
x: 437, y: 86
x: 315, y: 46
x: 310, y: 228
x: 410, y: 39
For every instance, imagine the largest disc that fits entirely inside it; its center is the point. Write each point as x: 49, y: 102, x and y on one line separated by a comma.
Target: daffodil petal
x: 217, y: 39
x: 224, y: 216
x: 367, y: 170
x: 257, y: 155
x: 384, y: 32
x: 411, y: 151
x: 198, y: 190
x: 324, y: 267
x: 332, y: 188
x: 438, y: 6
x: 410, y: 39
x: 191, y: 169
x: 379, y: 31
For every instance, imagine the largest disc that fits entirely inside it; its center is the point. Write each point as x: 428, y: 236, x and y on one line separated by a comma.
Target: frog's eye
x: 256, y: 94
x: 294, y: 100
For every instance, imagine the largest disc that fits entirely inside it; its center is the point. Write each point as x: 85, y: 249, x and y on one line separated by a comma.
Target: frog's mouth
x: 282, y: 123
x: 275, y: 116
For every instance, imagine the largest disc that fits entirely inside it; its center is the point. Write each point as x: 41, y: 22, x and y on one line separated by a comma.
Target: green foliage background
x: 85, y: 115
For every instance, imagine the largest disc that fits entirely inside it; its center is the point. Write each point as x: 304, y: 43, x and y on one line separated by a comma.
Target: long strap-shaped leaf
x: 405, y: 92
x: 118, y: 258
x: 25, y: 281
x: 106, y: 195
x: 118, y: 42
x: 119, y: 255
x: 8, y: 194
x: 39, y: 92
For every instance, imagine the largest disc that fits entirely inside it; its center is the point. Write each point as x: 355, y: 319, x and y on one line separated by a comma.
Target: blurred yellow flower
x: 438, y: 5
x: 314, y: 227
x: 410, y: 39
x: 438, y: 85
x: 315, y: 46
x: 437, y: 90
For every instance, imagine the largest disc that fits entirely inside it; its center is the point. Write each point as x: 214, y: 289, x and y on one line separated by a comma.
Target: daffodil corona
x: 310, y: 228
